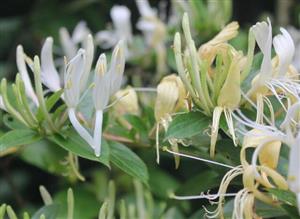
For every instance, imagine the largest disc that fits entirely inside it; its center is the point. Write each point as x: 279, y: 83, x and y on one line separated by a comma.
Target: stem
x: 75, y: 167
x: 98, y: 132
x: 40, y: 93
x: 10, y: 109
x: 21, y: 87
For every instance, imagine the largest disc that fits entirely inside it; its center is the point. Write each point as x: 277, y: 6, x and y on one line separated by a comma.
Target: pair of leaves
x: 118, y: 154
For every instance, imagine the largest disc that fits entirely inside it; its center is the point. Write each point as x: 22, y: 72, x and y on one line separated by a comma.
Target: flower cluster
x: 213, y: 77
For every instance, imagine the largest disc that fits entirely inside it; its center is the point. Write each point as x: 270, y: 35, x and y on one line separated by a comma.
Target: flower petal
x: 285, y: 49
x: 263, y: 35
x: 68, y: 45
x: 50, y: 76
x: 25, y: 76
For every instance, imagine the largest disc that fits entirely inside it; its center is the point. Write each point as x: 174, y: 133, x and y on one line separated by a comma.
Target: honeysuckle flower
x: 154, y: 31
x: 50, y: 75
x: 295, y: 34
x: 209, y: 85
x: 127, y: 101
x: 21, y: 64
x: 80, y: 32
x: 72, y: 75
x: 170, y: 98
x: 275, y: 76
x: 294, y: 169
x: 120, y: 16
x: 106, y: 83
x: 69, y: 43
x: 69, y: 47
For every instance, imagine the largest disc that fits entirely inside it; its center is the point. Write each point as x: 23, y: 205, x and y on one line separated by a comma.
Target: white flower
x: 285, y: 49
x: 150, y: 24
x: 117, y: 66
x: 263, y: 35
x: 50, y: 76
x: 70, y: 43
x: 295, y: 34
x: 69, y: 47
x: 73, y: 73
x: 120, y: 16
x: 155, y: 33
x: 294, y: 169
x: 106, y: 84
x: 80, y: 32
x: 21, y: 64
x: 145, y: 8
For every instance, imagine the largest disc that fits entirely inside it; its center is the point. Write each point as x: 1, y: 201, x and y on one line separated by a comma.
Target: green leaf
x: 74, y: 143
x: 136, y: 122
x: 284, y: 196
x: 45, y: 155
x: 162, y: 183
x: 292, y: 211
x: 50, y: 102
x: 18, y: 137
x: 12, y: 123
x: 128, y: 161
x: 49, y: 211
x: 187, y: 125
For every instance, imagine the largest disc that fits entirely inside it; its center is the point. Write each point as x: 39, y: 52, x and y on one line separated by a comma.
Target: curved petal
x: 145, y: 8
x: 80, y: 32
x: 73, y: 71
x: 102, y: 80
x: 121, y: 19
x: 24, y: 75
x: 68, y: 45
x: 117, y: 67
x: 89, y: 51
x: 106, y: 39
x: 285, y: 49
x: 263, y: 36
x: 50, y: 76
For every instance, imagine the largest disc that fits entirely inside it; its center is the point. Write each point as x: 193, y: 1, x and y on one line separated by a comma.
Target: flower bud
x: 127, y: 101
x: 170, y: 96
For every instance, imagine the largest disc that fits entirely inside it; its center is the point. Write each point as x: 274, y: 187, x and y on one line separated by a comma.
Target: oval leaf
x: 188, y: 125
x: 128, y: 161
x: 18, y: 137
x: 74, y: 143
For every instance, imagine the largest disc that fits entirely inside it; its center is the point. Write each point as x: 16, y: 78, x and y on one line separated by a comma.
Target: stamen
x: 198, y: 158
x: 202, y: 196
